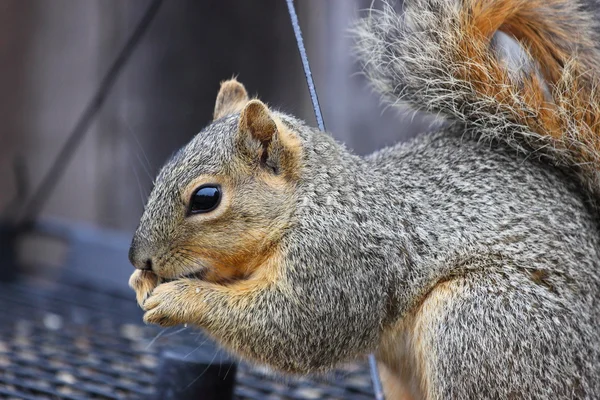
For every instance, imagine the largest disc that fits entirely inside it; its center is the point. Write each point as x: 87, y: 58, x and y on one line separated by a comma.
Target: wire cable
x: 305, y: 65
x: 377, y: 388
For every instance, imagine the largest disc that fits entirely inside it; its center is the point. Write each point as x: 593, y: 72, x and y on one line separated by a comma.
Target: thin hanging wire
x: 305, y: 65
x: 377, y: 388
x: 40, y: 196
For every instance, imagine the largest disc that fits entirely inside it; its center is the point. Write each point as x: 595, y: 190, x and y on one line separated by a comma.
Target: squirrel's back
x: 506, y: 252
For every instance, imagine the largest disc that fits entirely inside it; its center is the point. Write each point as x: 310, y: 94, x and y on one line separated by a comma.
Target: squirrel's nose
x: 138, y: 259
x: 147, y: 265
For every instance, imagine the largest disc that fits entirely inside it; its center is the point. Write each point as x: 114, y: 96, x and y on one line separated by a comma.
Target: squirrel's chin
x: 200, y: 275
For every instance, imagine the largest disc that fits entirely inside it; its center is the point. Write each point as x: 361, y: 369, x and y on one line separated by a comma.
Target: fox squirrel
x: 467, y: 260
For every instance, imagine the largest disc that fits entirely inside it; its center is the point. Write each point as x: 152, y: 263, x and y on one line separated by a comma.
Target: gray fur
x: 371, y: 238
x: 411, y: 60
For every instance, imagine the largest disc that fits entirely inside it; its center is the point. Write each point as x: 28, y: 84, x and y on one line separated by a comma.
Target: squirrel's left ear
x: 267, y: 141
x: 231, y: 99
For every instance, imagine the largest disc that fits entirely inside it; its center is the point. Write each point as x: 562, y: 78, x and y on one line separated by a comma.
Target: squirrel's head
x: 221, y: 204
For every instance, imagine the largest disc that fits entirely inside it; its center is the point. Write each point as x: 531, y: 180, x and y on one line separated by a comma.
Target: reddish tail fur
x: 441, y: 60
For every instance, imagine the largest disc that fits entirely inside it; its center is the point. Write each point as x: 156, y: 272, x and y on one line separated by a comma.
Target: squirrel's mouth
x: 200, y: 275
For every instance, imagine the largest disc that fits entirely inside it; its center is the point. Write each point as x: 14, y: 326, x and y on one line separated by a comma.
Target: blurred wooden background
x: 54, y: 52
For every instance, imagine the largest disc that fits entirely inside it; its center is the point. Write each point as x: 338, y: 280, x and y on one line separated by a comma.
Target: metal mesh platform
x: 66, y: 342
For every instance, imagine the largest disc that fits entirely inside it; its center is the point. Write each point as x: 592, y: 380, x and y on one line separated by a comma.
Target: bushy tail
x: 438, y: 57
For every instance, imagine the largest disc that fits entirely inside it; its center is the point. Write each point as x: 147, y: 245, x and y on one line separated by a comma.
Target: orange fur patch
x: 248, y: 253
x: 292, y: 151
x: 393, y: 387
x: 570, y: 75
x: 241, y: 292
x: 405, y: 349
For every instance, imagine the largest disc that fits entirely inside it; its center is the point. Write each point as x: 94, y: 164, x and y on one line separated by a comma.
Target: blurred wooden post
x: 15, y: 35
x: 59, y: 50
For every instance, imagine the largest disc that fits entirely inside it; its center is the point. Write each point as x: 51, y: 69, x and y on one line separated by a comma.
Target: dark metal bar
x: 38, y: 199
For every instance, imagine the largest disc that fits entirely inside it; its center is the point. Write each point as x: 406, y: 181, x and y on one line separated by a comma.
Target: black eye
x: 206, y: 198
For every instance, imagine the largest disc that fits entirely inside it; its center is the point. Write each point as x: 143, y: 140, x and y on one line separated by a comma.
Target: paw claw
x: 172, y: 303
x: 155, y: 317
x: 150, y: 303
x: 143, y: 283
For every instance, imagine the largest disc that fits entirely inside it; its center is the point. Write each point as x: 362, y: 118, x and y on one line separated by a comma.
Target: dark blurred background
x: 69, y: 325
x: 53, y: 54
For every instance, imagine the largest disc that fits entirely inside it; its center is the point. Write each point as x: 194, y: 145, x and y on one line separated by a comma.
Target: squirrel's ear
x: 257, y: 122
x: 231, y: 99
x: 272, y: 144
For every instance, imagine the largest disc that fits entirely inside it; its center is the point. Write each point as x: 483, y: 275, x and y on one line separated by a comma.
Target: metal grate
x: 67, y: 342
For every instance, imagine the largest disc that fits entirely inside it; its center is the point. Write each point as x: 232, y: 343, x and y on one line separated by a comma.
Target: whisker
x: 203, y: 372
x: 177, y: 331
x: 156, y: 337
x: 228, y: 369
x: 139, y: 145
x: 185, y: 260
x: 137, y: 178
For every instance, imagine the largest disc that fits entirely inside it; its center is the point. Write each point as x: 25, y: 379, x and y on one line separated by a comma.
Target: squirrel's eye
x: 206, y: 198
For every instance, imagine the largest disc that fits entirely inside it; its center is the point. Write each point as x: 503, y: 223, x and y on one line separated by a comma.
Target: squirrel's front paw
x: 174, y: 303
x: 143, y: 282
